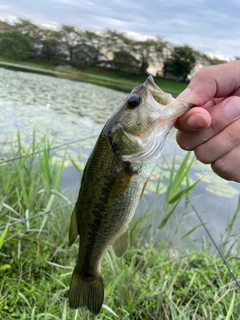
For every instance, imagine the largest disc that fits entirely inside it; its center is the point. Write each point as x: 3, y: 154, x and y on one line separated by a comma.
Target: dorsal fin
x: 73, y: 229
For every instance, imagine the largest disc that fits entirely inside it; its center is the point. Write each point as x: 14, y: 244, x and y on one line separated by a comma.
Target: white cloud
x: 69, y: 2
x: 205, y: 25
x: 8, y: 17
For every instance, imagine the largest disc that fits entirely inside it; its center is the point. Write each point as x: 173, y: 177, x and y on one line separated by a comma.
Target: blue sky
x: 211, y: 26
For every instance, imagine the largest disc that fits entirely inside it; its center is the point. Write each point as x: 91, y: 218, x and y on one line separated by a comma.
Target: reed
x: 156, y: 279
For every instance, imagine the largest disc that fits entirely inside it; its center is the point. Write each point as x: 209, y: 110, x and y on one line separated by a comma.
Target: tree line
x: 24, y: 40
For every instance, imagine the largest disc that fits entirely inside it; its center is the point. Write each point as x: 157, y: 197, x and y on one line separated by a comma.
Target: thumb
x: 194, y: 120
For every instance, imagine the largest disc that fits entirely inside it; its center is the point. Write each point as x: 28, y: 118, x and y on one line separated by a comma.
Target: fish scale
x: 113, y: 182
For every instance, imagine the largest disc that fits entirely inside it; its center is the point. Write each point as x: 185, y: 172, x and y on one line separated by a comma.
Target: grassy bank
x: 106, y: 77
x: 154, y: 280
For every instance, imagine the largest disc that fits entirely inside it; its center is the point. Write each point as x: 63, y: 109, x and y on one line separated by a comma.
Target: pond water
x: 69, y: 110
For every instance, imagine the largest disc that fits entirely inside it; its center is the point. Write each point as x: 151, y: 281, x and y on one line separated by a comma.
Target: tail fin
x: 86, y: 291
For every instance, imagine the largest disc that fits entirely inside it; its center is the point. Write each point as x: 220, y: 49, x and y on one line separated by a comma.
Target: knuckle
x: 182, y: 140
x: 220, y: 167
x: 234, y: 100
x: 200, y: 80
x: 232, y: 132
x: 203, y: 74
x: 203, y: 71
x: 223, y: 169
x: 202, y: 155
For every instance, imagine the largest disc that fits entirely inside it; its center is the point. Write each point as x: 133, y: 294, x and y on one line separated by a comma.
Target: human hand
x: 212, y: 128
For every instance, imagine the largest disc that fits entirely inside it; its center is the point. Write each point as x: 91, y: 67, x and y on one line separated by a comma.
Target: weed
x: 154, y: 280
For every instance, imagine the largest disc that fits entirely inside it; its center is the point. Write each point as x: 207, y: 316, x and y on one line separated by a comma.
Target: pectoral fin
x: 144, y: 187
x: 121, y: 244
x: 73, y: 229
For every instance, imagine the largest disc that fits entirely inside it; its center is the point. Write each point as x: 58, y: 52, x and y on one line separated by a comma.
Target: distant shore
x: 105, y: 77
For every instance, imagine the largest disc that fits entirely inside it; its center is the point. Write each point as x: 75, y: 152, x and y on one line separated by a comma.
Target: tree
x: 207, y: 60
x: 31, y: 31
x: 90, y: 49
x: 71, y: 38
x: 52, y: 48
x: 87, y: 55
x: 161, y: 51
x: 126, y: 62
x: 145, y: 51
x: 116, y: 41
x: 27, y: 28
x: 14, y: 45
x: 5, y: 26
x: 180, y: 63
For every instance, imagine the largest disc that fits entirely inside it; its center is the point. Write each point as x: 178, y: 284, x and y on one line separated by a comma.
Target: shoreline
x: 105, y: 77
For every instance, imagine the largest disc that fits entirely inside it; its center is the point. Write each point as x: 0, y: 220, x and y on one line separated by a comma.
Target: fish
x: 113, y: 183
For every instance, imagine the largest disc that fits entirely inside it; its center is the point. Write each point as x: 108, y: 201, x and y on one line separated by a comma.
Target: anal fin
x: 121, y: 243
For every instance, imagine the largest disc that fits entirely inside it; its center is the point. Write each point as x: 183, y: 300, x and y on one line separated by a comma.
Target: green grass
x: 30, y: 63
x: 154, y: 280
x: 106, y: 77
x: 167, y: 85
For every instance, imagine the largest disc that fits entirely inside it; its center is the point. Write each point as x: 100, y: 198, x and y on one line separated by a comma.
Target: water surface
x: 68, y: 110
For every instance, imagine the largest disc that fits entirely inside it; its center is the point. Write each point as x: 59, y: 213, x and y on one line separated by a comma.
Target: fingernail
x: 185, y: 94
x: 197, y: 121
x: 232, y: 110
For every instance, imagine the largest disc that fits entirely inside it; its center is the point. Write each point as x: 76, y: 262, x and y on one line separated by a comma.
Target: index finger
x: 213, y: 82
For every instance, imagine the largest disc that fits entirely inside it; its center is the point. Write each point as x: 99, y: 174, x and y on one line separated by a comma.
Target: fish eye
x: 134, y: 101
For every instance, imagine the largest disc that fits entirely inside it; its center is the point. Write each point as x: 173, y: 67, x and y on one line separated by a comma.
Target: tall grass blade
x: 181, y: 173
x: 3, y: 236
x: 234, y: 218
x: 74, y: 163
x: 167, y: 216
x: 181, y: 193
x: 59, y: 172
x: 25, y: 299
x: 64, y: 313
x: 110, y: 310
x: 191, y: 231
x: 231, y: 307
x: 11, y: 209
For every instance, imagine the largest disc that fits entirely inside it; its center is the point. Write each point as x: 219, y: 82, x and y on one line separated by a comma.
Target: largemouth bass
x: 113, y: 182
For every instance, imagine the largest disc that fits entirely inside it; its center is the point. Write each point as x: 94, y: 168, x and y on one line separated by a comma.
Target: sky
x: 210, y: 26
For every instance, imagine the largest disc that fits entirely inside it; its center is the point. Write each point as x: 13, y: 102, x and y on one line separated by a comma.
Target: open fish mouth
x: 166, y: 110
x: 160, y: 96
x: 150, y: 83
